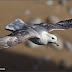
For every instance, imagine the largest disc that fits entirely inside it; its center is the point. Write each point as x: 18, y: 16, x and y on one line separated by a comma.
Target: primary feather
x: 62, y: 25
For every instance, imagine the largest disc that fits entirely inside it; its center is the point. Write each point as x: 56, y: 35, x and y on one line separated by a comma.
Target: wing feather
x: 62, y: 25
x: 17, y: 24
x: 17, y: 37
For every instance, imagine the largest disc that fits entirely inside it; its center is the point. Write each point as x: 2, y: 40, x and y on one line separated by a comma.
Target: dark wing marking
x: 17, y: 24
x: 62, y: 25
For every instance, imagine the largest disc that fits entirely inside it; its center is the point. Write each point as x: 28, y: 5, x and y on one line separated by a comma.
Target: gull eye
x: 52, y: 38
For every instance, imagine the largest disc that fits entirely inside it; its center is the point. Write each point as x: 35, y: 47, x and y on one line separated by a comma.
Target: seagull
x: 37, y: 33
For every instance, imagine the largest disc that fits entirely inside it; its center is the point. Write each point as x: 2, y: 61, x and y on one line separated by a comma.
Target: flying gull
x: 37, y: 33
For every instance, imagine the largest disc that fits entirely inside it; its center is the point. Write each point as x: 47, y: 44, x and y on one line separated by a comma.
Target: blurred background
x: 31, y: 57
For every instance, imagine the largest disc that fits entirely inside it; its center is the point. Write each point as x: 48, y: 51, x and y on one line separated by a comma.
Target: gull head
x: 53, y: 39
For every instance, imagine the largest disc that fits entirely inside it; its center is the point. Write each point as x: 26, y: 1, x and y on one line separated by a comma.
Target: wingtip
x: 69, y: 21
x: 10, y: 28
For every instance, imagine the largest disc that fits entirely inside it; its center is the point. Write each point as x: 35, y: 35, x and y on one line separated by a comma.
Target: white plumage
x: 37, y: 33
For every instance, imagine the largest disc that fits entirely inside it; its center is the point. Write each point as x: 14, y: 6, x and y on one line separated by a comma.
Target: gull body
x: 37, y: 33
x: 44, y: 38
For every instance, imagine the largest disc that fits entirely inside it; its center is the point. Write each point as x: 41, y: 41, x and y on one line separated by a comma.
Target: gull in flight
x: 37, y: 33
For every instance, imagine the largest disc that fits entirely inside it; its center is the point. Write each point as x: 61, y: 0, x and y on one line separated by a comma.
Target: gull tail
x: 7, y: 41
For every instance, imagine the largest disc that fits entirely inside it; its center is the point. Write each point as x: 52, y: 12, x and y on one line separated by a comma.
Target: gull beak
x: 56, y: 43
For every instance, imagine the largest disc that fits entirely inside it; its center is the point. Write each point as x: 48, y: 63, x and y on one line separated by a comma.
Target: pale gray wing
x: 17, y: 24
x: 17, y: 37
x: 62, y: 25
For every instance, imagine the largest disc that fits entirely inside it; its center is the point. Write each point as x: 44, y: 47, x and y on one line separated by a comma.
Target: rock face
x: 68, y: 46
x: 34, y: 21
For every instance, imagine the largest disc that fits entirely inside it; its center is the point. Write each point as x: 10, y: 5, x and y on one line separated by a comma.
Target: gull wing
x: 17, y: 24
x: 62, y: 25
x: 17, y: 37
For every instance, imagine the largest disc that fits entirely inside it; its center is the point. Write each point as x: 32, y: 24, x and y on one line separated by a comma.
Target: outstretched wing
x: 17, y: 24
x: 62, y: 25
x: 17, y: 37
